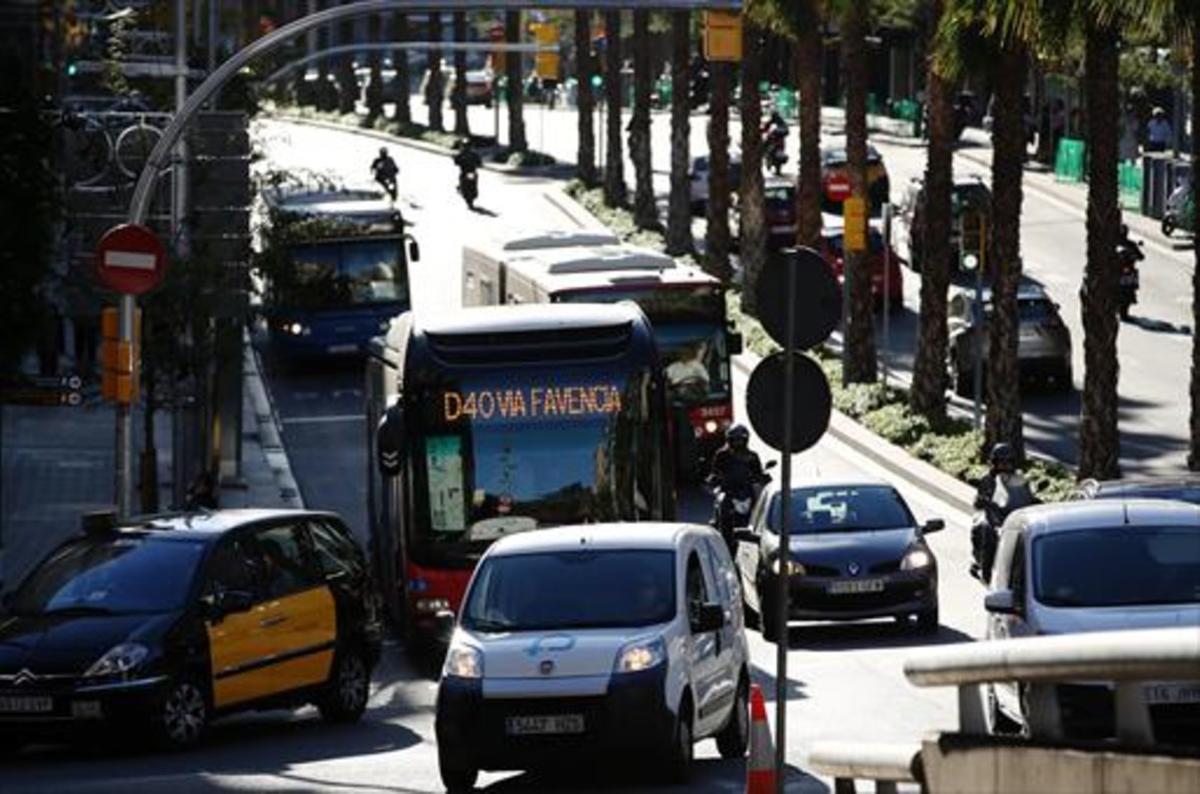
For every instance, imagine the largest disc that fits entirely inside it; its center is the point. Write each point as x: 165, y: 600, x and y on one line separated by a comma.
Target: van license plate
x: 26, y: 705
x: 553, y: 723
x: 855, y: 586
x: 1161, y: 692
x: 334, y: 350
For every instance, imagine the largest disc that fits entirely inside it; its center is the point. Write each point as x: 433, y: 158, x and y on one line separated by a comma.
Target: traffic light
x: 72, y: 68
x: 121, y: 361
x: 723, y: 36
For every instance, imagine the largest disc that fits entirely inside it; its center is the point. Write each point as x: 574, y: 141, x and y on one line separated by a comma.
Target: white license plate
x: 86, y: 710
x: 854, y: 586
x: 25, y: 704
x: 336, y: 349
x: 552, y: 723
x: 1162, y: 693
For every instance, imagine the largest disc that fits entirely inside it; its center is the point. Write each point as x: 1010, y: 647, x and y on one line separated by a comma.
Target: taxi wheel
x: 345, y: 697
x: 184, y: 716
x: 735, y: 737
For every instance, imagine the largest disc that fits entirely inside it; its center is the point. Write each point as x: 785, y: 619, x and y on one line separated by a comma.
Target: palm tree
x: 402, y: 79
x: 347, y: 81
x: 434, y: 88
x: 585, y: 67
x: 514, y: 90
x: 928, y: 393
x: 752, y: 209
x: 375, y: 86
x: 645, y: 211
x: 716, y: 237
x: 462, y: 126
x: 614, y: 166
x: 326, y: 99
x: 679, y: 211
x: 859, y: 333
x: 1192, y: 22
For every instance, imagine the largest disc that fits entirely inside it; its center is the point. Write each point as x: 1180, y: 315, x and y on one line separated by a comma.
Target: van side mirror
x: 414, y: 250
x: 744, y: 535
x: 933, y: 525
x: 733, y: 341
x: 390, y: 440
x: 1001, y: 602
x: 770, y: 464
x: 709, y: 617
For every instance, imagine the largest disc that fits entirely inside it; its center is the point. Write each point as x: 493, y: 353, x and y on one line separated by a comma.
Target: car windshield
x: 1035, y: 311
x: 842, y: 509
x: 1118, y: 567
x: 572, y: 590
x: 1177, y: 493
x: 121, y: 574
x: 346, y: 273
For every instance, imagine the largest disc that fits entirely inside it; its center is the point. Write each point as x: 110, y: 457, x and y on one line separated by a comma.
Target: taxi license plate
x: 13, y: 704
x: 1164, y: 692
x: 855, y: 586
x: 554, y: 723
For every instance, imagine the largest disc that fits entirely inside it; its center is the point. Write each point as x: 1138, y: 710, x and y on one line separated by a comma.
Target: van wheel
x: 457, y: 773
x: 184, y: 715
x: 346, y: 693
x: 735, y: 736
x: 677, y: 767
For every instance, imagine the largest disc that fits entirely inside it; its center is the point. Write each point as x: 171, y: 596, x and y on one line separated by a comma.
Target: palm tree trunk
x: 400, y: 61
x: 679, y: 212
x: 645, y: 211
x: 860, y: 363
x: 614, y: 165
x: 515, y: 91
x: 1004, y: 421
x: 435, y: 89
x: 1099, y: 442
x: 928, y: 393
x: 752, y: 226
x: 375, y: 87
x: 810, y: 50
x: 716, y: 238
x: 347, y: 82
x: 585, y: 67
x: 326, y: 99
x: 1193, y: 458
x: 462, y: 126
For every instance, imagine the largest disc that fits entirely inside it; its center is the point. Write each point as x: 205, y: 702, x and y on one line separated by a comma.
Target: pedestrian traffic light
x: 120, y: 360
x: 723, y: 36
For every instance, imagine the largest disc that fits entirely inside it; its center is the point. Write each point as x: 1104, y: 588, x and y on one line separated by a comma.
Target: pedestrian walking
x: 1159, y: 134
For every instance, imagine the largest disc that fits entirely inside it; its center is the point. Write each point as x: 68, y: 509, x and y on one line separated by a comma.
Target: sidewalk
x: 58, y: 464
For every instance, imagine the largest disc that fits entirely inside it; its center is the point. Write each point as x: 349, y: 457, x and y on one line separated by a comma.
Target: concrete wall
x: 955, y: 763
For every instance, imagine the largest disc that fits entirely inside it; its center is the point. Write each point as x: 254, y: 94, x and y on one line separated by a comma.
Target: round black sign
x: 816, y: 298
x: 767, y: 394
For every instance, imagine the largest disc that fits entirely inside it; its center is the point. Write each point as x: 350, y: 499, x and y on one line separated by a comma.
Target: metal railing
x: 886, y: 764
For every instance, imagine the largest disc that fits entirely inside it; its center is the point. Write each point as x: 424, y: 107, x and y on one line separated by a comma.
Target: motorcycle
x: 388, y: 183
x: 776, y: 151
x: 1128, y: 255
x: 985, y: 525
x: 468, y: 187
x: 732, y: 506
x: 1180, y: 211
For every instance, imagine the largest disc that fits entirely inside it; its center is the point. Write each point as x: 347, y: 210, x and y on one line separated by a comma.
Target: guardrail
x: 886, y: 764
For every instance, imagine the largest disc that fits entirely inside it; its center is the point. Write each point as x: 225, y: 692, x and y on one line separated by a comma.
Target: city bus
x: 685, y: 305
x: 491, y: 421
x: 335, y: 271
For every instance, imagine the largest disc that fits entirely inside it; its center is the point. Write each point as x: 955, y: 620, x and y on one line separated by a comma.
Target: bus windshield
x: 695, y: 360
x: 501, y: 453
x: 344, y: 273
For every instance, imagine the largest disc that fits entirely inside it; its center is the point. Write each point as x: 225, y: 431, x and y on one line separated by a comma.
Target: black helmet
x: 383, y: 150
x: 1003, y: 455
x: 737, y: 433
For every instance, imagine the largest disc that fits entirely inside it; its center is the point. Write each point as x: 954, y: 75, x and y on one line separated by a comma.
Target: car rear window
x: 1118, y: 567
x: 842, y: 509
x: 572, y: 590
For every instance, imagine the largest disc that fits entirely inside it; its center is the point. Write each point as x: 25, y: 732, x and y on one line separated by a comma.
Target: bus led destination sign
x: 531, y: 402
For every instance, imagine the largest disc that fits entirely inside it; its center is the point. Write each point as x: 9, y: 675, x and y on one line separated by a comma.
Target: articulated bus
x: 685, y: 305
x: 491, y: 421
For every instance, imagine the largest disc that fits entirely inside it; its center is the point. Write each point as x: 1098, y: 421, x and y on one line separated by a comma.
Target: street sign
x: 130, y: 259
x: 723, y: 36
x: 811, y: 400
x: 818, y: 301
x: 547, y: 63
x: 854, y: 217
x: 837, y: 187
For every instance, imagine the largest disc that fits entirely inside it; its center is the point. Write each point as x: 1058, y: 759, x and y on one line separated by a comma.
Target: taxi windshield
x: 572, y: 590
x: 124, y: 574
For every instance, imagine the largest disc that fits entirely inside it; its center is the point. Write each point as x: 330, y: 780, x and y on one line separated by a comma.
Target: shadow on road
x: 1159, y: 326
x: 484, y: 211
x: 709, y: 775
x: 853, y: 636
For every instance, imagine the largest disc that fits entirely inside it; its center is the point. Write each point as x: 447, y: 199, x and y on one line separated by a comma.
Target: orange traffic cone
x: 760, y: 767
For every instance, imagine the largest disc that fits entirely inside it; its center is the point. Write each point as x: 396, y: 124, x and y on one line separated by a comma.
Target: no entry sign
x: 130, y: 259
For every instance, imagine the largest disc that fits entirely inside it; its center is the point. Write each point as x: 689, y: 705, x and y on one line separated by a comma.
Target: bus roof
x: 530, y: 318
x: 543, y: 239
x: 606, y: 267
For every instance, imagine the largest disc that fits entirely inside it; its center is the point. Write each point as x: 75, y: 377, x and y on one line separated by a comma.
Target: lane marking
x: 322, y: 420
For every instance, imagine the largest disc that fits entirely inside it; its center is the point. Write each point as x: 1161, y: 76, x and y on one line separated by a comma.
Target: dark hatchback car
x: 160, y: 624
x: 856, y: 553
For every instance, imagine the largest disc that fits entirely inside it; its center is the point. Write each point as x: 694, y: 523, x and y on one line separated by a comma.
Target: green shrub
x: 897, y: 424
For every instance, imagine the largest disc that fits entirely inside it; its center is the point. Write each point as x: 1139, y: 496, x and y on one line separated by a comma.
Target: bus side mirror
x: 414, y: 250
x: 390, y: 441
x: 734, y: 342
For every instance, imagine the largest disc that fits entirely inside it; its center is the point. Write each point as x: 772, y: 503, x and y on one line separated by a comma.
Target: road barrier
x: 886, y: 764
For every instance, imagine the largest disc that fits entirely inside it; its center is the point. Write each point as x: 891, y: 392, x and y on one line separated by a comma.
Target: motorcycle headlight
x: 915, y: 560
x: 793, y: 568
x: 463, y: 661
x: 119, y: 660
x: 640, y: 655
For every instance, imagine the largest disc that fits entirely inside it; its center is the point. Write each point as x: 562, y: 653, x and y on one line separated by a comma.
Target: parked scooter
x: 1180, y: 211
x: 1129, y: 253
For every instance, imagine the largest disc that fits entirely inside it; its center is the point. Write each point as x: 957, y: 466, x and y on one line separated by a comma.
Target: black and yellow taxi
x: 161, y: 624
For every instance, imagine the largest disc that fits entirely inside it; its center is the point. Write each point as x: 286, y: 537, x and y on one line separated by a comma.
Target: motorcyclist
x: 1001, y: 491
x: 775, y: 134
x: 385, y: 171
x: 469, y: 162
x: 736, y: 473
x: 1129, y: 253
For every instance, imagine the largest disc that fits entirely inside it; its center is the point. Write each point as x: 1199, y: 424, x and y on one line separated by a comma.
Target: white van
x: 623, y: 640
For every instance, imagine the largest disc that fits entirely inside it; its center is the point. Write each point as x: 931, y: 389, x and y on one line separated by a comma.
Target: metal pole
x: 887, y: 291
x: 979, y: 315
x: 124, y: 441
x: 213, y: 24
x: 785, y: 554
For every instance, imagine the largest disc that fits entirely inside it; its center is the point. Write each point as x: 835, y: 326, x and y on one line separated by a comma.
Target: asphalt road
x: 845, y: 681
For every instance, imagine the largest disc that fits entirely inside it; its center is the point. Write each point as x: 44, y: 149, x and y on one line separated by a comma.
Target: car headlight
x: 640, y: 655
x: 298, y: 329
x: 119, y: 660
x: 915, y: 560
x: 793, y: 568
x: 463, y: 661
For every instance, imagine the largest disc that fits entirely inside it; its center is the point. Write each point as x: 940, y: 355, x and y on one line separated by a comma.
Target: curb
x: 579, y: 215
x: 269, y: 430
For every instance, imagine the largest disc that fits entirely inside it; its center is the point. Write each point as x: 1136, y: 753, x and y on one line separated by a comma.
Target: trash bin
x: 1129, y: 182
x: 1068, y: 161
x: 1154, y: 185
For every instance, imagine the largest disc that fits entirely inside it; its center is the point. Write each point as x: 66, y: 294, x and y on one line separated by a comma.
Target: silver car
x: 1043, y: 346
x: 1096, y: 565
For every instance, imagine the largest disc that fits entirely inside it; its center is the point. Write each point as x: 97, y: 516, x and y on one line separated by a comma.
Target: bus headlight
x: 463, y: 661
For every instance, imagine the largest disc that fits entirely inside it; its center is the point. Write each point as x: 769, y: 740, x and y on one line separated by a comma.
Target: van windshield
x: 572, y: 590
